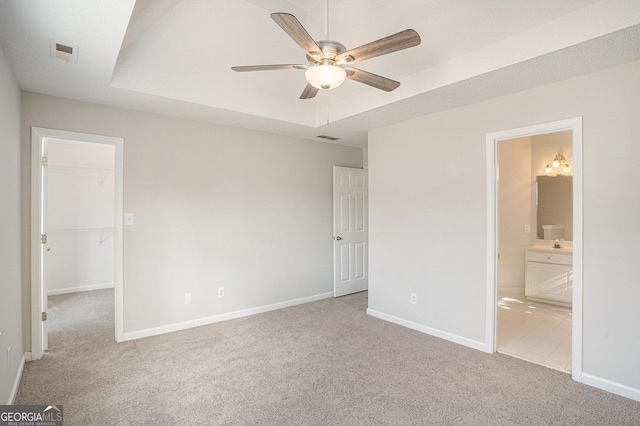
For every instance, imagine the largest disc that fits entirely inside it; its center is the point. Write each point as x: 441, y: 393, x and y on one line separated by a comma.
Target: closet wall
x: 80, y: 216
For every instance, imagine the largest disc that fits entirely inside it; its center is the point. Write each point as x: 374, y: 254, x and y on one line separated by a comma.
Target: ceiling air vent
x: 331, y: 138
x: 64, y: 52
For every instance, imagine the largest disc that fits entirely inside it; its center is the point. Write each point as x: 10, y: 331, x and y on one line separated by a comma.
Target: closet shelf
x: 104, y: 228
x: 102, y: 231
x: 70, y: 166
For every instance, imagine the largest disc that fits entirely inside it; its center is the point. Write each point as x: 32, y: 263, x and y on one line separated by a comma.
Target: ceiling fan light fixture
x: 325, y: 76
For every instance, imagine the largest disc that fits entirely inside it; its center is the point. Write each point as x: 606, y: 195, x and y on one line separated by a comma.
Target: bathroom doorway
x: 534, y: 289
x: 534, y: 312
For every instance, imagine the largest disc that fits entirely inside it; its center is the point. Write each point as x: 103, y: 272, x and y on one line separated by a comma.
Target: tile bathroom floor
x: 534, y: 331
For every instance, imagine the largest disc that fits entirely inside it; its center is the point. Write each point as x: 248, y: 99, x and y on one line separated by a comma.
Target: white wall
x: 214, y: 206
x: 80, y: 192
x: 514, y: 211
x: 428, y: 214
x: 10, y: 226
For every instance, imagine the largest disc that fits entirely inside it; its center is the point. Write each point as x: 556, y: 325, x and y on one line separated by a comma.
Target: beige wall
x: 365, y: 157
x: 545, y: 147
x: 214, y: 206
x: 543, y: 150
x: 428, y: 218
x: 514, y: 211
x: 10, y: 223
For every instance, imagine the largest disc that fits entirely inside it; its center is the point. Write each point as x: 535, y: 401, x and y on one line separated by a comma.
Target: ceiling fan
x: 330, y: 62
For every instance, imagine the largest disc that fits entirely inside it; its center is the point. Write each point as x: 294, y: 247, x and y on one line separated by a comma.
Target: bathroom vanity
x: 549, y: 274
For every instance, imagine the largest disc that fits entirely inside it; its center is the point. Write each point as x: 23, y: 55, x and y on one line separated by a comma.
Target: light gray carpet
x: 323, y: 363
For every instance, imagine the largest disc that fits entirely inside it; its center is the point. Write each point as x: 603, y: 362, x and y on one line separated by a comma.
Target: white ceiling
x: 174, y: 57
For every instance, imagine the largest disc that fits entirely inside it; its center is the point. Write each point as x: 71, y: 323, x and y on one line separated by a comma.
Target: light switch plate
x: 128, y: 218
x: 527, y: 229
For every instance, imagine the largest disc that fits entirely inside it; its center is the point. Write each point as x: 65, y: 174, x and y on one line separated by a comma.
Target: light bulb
x: 325, y: 76
x: 566, y: 169
x: 556, y: 163
x: 547, y: 169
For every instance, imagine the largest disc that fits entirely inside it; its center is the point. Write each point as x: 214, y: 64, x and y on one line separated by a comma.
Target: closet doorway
x: 76, y: 222
x: 79, y: 208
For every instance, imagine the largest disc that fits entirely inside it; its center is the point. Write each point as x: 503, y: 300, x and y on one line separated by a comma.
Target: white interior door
x: 350, y: 227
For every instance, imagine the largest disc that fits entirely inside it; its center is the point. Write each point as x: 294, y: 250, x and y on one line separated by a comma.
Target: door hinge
x: 44, y: 316
x: 45, y: 161
x: 43, y: 238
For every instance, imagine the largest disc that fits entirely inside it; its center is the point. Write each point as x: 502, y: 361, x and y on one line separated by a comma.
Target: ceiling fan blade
x: 309, y: 92
x: 296, y: 31
x: 389, y: 44
x: 269, y: 67
x: 371, y: 79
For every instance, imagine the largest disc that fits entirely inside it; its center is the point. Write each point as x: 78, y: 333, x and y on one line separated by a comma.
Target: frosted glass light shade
x: 325, y: 76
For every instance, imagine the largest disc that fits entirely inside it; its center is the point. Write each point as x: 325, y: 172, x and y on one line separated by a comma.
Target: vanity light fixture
x: 558, y: 162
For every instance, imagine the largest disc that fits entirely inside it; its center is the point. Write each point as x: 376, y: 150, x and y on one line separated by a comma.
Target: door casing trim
x: 38, y: 134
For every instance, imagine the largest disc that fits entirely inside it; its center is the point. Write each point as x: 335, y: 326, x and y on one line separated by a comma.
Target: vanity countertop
x: 549, y: 249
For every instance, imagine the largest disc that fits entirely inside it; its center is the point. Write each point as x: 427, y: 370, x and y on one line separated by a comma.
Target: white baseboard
x: 222, y: 317
x: 609, y: 386
x: 78, y: 289
x: 481, y: 346
x: 16, y: 382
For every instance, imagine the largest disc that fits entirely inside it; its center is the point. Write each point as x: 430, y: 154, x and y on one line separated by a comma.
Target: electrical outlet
x: 414, y: 299
x: 187, y: 298
x: 527, y: 229
x: 220, y: 291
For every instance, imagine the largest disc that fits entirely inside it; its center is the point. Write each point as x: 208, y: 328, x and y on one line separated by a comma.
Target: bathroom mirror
x: 554, y: 199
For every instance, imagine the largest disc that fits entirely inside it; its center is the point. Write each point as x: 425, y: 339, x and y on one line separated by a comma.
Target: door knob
x: 338, y: 238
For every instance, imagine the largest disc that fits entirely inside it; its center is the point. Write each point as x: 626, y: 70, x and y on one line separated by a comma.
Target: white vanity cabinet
x: 549, y: 275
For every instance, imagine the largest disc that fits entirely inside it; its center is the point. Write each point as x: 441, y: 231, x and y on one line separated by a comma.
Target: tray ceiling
x: 174, y: 56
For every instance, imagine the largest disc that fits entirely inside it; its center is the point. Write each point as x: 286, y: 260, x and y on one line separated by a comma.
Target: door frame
x: 38, y: 135
x: 492, y: 139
